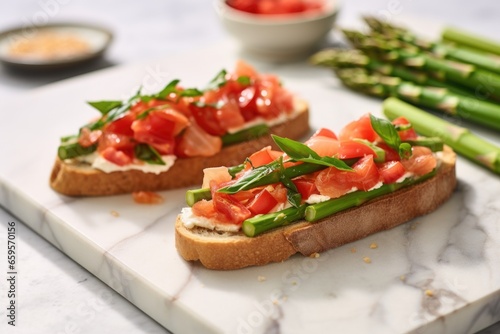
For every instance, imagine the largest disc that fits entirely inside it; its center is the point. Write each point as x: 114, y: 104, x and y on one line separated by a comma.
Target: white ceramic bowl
x: 278, y: 37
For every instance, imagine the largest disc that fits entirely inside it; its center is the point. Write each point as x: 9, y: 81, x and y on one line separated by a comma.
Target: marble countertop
x: 56, y: 295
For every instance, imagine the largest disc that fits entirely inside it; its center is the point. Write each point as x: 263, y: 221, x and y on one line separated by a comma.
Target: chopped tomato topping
x: 276, y: 7
x: 165, y: 123
x: 196, y: 142
x: 262, y: 203
x: 233, y: 211
x: 121, y: 126
x: 306, y: 187
x: 244, y: 69
x: 421, y: 162
x: 325, y: 133
x: 117, y: 141
x: 229, y: 115
x: 334, y: 183
x: 352, y: 149
x: 218, y: 175
x: 88, y: 138
x: 390, y: 153
x: 147, y: 197
x: 115, y: 156
x: 204, y: 208
x: 366, y: 173
x: 361, y: 128
x: 405, y: 134
x: 264, y: 156
x: 391, y: 171
x: 159, y: 126
x: 324, y: 146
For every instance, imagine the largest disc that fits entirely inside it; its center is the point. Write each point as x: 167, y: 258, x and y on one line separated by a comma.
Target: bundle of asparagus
x: 392, y: 61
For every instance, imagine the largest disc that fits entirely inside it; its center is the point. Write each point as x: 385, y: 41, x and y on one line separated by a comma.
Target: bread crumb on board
x: 114, y: 213
x: 367, y: 259
x: 314, y: 255
x: 261, y: 278
x: 373, y: 245
x: 353, y: 250
x: 429, y: 293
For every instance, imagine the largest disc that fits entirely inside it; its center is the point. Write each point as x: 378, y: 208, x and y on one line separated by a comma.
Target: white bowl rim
x: 223, y: 10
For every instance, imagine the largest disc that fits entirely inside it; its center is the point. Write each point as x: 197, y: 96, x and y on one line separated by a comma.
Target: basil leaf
x: 251, y: 178
x: 292, y: 194
x: 301, y: 152
x: 387, y: 131
x: 148, y: 154
x: 191, y: 92
x: 171, y: 87
x: 218, y: 81
x: 105, y: 107
x: 294, y: 149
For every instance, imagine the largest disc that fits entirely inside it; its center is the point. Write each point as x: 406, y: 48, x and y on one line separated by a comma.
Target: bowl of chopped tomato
x: 278, y: 30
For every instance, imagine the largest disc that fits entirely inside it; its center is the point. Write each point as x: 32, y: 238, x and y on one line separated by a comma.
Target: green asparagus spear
x: 460, y: 139
x: 334, y: 58
x: 439, y: 49
x: 475, y: 110
x: 470, y: 40
x: 482, y: 82
x: 314, y: 212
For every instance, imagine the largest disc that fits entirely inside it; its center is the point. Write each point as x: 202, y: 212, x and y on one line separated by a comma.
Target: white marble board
x: 436, y: 274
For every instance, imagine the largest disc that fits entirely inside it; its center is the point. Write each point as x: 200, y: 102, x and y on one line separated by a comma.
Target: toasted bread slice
x: 83, y: 180
x: 224, y: 250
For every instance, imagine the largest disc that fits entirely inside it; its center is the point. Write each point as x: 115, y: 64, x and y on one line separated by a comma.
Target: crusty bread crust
x: 225, y: 251
x: 83, y: 180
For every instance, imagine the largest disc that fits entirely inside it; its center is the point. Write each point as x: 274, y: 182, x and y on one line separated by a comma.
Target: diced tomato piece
x: 405, y: 134
x: 333, y: 182
x: 118, y: 141
x: 159, y: 126
x: 229, y: 115
x: 271, y: 98
x: 194, y: 141
x: 421, y: 162
x: 122, y: 126
x: 147, y: 197
x: 115, y: 156
x: 280, y: 193
x: 262, y: 203
x: 204, y: 208
x: 390, y: 153
x: 264, y: 156
x: 306, y: 187
x: 166, y: 147
x: 233, y: 211
x: 247, y: 103
x: 352, y: 149
x: 391, y: 171
x: 138, y: 108
x: 218, y: 175
x: 206, y: 118
x: 324, y: 146
x: 88, y: 138
x: 325, y: 133
x: 366, y: 173
x: 243, y: 68
x: 361, y: 128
